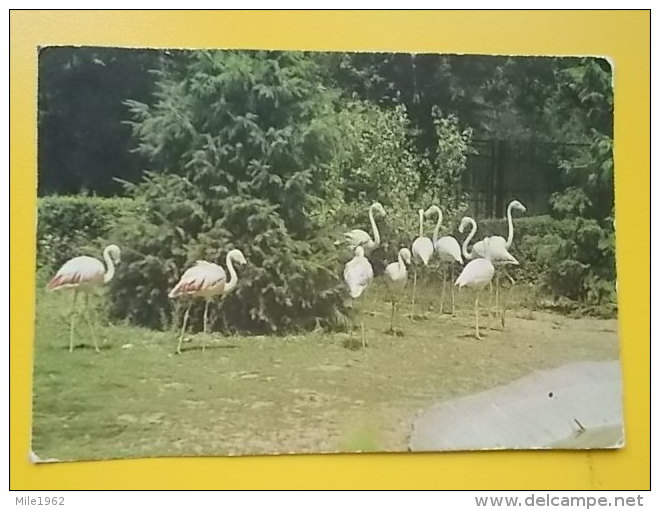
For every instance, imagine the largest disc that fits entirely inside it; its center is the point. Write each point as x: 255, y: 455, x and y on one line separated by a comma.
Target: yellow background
x: 623, y: 36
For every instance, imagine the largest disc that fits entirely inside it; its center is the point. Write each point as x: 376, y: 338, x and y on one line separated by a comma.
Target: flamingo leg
x: 508, y: 296
x: 73, y: 316
x: 361, y: 312
x: 206, y: 320
x: 206, y: 315
x: 442, y: 293
x: 497, y: 292
x: 183, y: 329
x: 350, y: 330
x: 392, y: 317
x: 89, y: 322
x: 476, y: 314
x: 364, y: 342
x: 453, y: 298
x: 398, y: 319
x: 412, y: 315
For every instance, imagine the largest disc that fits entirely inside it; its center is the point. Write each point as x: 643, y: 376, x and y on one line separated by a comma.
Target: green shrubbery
x: 239, y: 151
x: 570, y: 258
x: 72, y: 225
x: 250, y: 150
x: 376, y: 161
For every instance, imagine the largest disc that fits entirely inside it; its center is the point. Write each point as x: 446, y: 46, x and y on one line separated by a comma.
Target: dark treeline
x: 85, y: 144
x: 83, y: 141
x: 278, y: 153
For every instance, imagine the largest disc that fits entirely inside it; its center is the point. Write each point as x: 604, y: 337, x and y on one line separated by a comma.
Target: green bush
x: 239, y: 152
x: 376, y: 160
x: 286, y: 285
x: 570, y: 258
x: 68, y: 226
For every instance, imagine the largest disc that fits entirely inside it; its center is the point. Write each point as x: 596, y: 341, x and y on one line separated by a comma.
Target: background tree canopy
x: 276, y: 153
x: 83, y: 142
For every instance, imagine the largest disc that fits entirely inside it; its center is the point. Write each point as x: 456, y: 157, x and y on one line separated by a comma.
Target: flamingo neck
x: 109, y: 266
x: 374, y: 228
x: 436, y: 230
x: 509, y: 239
x: 421, y: 223
x: 233, y: 277
x: 402, y: 264
x: 468, y: 254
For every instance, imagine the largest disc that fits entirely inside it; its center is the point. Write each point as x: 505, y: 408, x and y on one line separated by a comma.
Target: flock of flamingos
x: 207, y: 280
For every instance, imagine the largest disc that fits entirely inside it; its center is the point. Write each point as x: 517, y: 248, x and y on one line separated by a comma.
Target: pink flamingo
x: 84, y: 274
x: 206, y: 280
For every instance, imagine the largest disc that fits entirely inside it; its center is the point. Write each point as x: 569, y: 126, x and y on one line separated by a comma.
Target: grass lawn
x: 318, y: 392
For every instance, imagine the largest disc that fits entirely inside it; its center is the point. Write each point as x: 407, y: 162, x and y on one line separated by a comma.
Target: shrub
x: 287, y: 284
x: 68, y: 226
x: 571, y: 258
x: 376, y: 160
x: 240, y: 148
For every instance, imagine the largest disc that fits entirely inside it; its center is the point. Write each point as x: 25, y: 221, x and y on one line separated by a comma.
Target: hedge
x: 68, y: 226
x: 567, y: 258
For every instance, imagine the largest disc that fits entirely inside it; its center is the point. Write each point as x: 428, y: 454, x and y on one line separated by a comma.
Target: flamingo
x: 358, y: 273
x: 422, y: 250
x: 449, y: 252
x: 477, y: 274
x: 357, y: 237
x: 499, y: 248
x: 498, y: 252
x: 206, y: 280
x: 84, y: 274
x: 498, y: 241
x: 396, y: 276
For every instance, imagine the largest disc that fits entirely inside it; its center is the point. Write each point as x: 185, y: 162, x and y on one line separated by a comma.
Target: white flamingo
x: 477, y: 274
x: 449, y: 252
x: 206, y: 280
x: 496, y: 248
x: 422, y: 250
x: 84, y: 274
x: 396, y: 277
x: 358, y: 273
x: 499, y: 255
x: 497, y: 242
x: 358, y: 237
x: 499, y: 248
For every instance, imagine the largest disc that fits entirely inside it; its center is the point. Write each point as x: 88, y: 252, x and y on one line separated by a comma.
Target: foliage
x: 452, y: 149
x: 571, y: 258
x: 69, y: 226
x: 499, y: 97
x: 375, y: 160
x: 83, y: 144
x: 81, y: 91
x: 301, y: 144
x: 585, y: 98
x: 240, y: 155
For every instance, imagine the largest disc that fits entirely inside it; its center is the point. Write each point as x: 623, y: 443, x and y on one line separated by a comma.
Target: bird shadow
x: 394, y: 332
x: 353, y: 344
x: 208, y: 347
x: 472, y: 335
x: 417, y: 317
x: 88, y: 347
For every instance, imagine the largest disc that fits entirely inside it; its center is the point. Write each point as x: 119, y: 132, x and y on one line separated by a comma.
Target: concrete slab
x: 578, y: 405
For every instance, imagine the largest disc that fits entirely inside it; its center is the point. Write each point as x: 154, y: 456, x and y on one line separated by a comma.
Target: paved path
x: 577, y: 405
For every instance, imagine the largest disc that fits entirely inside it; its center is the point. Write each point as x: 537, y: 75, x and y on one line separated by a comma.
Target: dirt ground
x: 319, y: 392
